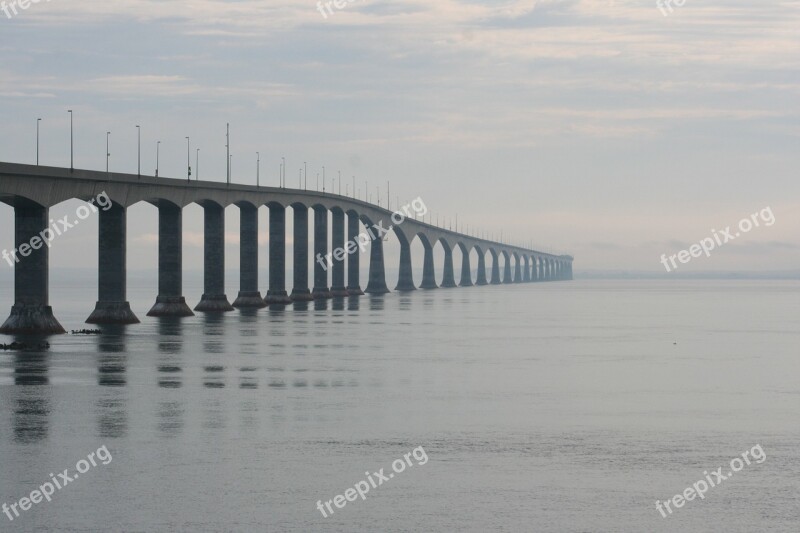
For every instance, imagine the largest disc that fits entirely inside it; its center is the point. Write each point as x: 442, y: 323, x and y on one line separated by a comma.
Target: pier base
x: 31, y: 320
x: 112, y: 313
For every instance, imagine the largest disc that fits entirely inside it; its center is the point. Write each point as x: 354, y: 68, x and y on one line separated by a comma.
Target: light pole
x: 158, y: 145
x: 188, y: 161
x: 228, y: 151
x: 283, y: 172
x: 354, y: 186
x: 340, y: 183
x: 108, y: 153
x: 71, y: 153
x: 139, y: 151
x: 197, y: 165
x: 38, y: 120
x: 230, y: 167
x: 305, y: 174
x: 258, y: 168
x: 323, y: 179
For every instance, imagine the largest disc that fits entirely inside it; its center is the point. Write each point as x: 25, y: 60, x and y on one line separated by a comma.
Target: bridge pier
x: 466, y: 270
x: 428, y: 269
x: 526, y: 272
x: 112, y: 306
x: 481, y: 269
x: 353, y: 281
x: 276, y: 294
x: 249, y: 296
x: 169, y: 301
x: 550, y: 270
x: 31, y: 313
x: 507, y: 270
x: 405, y: 281
x: 496, y: 269
x: 338, y: 287
x: 569, y: 271
x: 377, y: 273
x: 214, y: 299
x: 518, y: 271
x: 300, y: 291
x: 448, y: 279
x: 321, y: 289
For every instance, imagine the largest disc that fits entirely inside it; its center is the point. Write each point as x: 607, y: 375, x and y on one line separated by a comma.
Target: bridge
x: 33, y: 190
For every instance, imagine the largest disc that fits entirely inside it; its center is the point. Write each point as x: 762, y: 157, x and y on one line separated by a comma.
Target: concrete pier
x: 526, y: 270
x: 428, y: 270
x: 338, y: 288
x: 300, y: 291
x: 448, y: 279
x: 214, y: 299
x: 518, y: 270
x: 353, y: 273
x: 481, y: 269
x: 321, y: 289
x: 112, y: 306
x: 170, y: 301
x: 249, y: 296
x: 31, y: 312
x: 377, y: 271
x: 466, y: 269
x: 507, y: 270
x: 405, y: 281
x: 496, y: 269
x: 276, y: 295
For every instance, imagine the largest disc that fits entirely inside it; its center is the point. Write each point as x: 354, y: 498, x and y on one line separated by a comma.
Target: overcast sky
x: 599, y: 128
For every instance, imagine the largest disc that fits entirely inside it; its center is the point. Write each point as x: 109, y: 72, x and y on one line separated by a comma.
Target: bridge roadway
x: 32, y: 190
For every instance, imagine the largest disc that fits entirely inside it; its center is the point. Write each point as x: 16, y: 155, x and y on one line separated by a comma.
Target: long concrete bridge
x: 32, y: 190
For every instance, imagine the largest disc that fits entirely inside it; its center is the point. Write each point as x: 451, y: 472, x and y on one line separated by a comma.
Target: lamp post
x: 197, y: 165
x: 228, y: 151
x: 258, y: 168
x: 158, y: 145
x: 323, y: 179
x: 38, y: 120
x: 230, y: 168
x: 108, y: 153
x: 305, y: 173
x: 340, y: 183
x: 283, y: 172
x: 139, y: 151
x: 188, y: 160
x: 71, y: 153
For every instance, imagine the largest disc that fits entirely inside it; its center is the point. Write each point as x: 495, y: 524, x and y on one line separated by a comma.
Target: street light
x: 38, y: 120
x: 108, y: 153
x: 323, y: 179
x: 258, y: 168
x: 340, y: 183
x: 197, y: 165
x: 283, y: 172
x: 139, y: 151
x: 188, y: 161
x: 230, y: 166
x: 228, y: 151
x: 305, y: 173
x: 158, y: 145
x: 71, y: 160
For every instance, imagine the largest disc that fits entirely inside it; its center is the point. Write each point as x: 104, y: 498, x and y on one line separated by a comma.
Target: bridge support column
x: 405, y: 281
x: 112, y: 306
x: 448, y: 279
x: 550, y: 270
x: 481, y: 269
x: 569, y: 271
x: 249, y: 295
x: 466, y: 270
x: 214, y: 299
x: 496, y: 269
x: 276, y: 294
x: 300, y: 290
x: 169, y: 301
x: 428, y: 270
x: 353, y: 281
x: 507, y: 271
x: 518, y: 271
x: 321, y: 289
x: 338, y: 287
x: 31, y: 313
x: 526, y: 271
x: 377, y: 272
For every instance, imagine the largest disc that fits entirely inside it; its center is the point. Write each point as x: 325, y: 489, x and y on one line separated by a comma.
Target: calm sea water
x: 563, y: 407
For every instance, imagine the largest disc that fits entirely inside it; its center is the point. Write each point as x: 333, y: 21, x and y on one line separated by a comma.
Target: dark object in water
x: 24, y: 346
